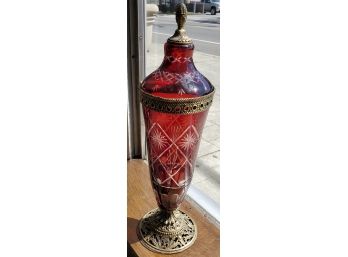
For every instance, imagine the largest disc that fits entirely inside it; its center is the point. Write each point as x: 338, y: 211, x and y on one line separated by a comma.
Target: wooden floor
x: 141, y: 199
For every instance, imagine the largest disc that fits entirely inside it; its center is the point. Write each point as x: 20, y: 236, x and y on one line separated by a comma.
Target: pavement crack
x: 208, y: 154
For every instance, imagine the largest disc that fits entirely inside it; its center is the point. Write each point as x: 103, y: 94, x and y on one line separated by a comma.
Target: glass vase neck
x: 177, y: 51
x: 178, y: 58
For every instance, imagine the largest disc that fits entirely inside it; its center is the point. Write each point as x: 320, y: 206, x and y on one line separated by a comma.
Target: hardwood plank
x: 141, y: 199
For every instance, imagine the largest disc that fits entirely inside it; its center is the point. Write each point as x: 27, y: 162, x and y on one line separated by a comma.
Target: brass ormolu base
x: 167, y: 232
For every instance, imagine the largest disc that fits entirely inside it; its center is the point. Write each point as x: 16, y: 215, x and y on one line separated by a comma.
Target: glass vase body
x: 173, y: 137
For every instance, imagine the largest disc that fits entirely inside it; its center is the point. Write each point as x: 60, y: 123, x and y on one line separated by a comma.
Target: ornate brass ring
x: 177, y: 105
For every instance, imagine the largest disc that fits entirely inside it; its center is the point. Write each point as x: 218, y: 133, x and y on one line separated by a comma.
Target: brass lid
x: 180, y: 36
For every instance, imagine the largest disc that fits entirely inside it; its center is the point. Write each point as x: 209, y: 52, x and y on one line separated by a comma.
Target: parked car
x: 212, y: 6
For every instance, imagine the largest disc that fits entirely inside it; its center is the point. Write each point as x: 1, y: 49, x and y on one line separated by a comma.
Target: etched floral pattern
x: 186, y: 78
x: 158, y: 139
x: 175, y: 78
x: 189, y: 141
x: 172, y: 151
x: 180, y: 59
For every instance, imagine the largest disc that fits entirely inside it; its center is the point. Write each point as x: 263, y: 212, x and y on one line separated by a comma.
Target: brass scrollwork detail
x: 167, y: 233
x: 177, y: 105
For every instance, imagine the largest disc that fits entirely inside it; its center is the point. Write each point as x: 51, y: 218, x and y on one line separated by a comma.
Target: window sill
x: 141, y: 199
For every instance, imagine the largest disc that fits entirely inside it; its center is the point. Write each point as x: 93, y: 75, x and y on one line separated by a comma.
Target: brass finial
x: 180, y: 36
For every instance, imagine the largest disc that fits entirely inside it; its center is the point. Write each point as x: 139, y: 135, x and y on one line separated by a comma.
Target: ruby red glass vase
x: 176, y: 98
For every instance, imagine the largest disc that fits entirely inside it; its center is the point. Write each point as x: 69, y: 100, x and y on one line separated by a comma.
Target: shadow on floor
x: 132, y: 230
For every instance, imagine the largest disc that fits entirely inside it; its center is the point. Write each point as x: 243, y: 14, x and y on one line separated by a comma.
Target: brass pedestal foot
x: 167, y: 232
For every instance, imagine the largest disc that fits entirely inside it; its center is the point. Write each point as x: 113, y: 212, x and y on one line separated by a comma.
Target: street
x: 204, y: 29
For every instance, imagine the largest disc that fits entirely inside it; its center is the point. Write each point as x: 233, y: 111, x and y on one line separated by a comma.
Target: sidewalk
x: 207, y: 171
